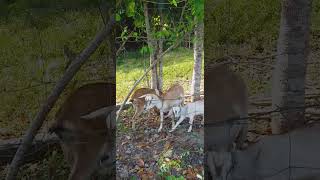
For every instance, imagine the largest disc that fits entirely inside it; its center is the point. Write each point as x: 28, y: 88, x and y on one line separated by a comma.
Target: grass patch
x: 177, y: 67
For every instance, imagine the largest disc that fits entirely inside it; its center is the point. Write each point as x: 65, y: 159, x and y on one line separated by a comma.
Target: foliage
x: 197, y: 9
x: 166, y: 165
x: 243, y: 22
x: 250, y: 22
x: 167, y: 20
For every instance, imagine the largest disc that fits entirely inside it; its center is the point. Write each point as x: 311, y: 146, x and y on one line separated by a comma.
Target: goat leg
x: 161, y: 121
x: 210, y: 163
x: 190, y: 123
x: 177, y: 124
x: 133, y: 125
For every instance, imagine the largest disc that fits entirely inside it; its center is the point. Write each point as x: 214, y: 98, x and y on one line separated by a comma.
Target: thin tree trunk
x: 160, y: 77
x: 152, y: 46
x: 197, y: 53
x: 60, y: 86
x: 189, y: 41
x: 145, y: 69
x: 288, y: 81
x: 160, y: 50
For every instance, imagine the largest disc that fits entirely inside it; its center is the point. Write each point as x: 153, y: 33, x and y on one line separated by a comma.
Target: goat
x: 174, y: 96
x: 86, y: 142
x: 226, y: 99
x: 138, y: 103
x: 293, y: 156
x: 189, y: 110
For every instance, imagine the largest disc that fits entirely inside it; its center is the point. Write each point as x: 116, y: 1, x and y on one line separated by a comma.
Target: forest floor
x: 146, y: 154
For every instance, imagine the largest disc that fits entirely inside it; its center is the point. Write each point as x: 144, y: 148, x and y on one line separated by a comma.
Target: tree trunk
x: 160, y: 77
x: 152, y: 44
x: 288, y: 81
x: 160, y: 49
x: 197, y: 51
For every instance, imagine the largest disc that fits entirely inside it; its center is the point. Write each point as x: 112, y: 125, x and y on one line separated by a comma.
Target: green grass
x: 178, y: 67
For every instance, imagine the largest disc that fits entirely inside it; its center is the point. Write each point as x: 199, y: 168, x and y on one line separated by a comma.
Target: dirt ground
x: 146, y: 154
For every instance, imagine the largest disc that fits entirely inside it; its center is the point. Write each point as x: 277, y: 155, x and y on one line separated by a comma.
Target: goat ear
x: 144, y: 96
x: 111, y: 119
x: 99, y: 113
x: 150, y: 96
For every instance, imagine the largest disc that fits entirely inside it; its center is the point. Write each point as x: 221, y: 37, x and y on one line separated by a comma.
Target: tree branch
x: 123, y: 44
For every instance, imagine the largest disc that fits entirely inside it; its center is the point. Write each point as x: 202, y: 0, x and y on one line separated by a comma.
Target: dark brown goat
x: 86, y: 142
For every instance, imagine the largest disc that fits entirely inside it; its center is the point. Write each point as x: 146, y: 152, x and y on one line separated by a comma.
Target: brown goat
x: 138, y: 103
x: 86, y: 142
x: 226, y: 98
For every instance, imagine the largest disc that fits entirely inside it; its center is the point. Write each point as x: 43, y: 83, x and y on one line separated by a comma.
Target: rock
x: 140, y: 163
x: 168, y: 153
x: 124, y: 173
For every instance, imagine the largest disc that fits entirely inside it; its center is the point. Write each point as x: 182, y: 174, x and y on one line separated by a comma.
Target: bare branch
x: 123, y: 44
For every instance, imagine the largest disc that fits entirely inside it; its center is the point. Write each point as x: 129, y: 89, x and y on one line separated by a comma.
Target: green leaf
x: 144, y: 50
x: 131, y: 9
x: 198, y: 9
x: 139, y: 21
x: 175, y: 178
x: 174, y: 2
x: 118, y: 17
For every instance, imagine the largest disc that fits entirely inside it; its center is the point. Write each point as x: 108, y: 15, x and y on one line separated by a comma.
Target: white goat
x: 189, y: 110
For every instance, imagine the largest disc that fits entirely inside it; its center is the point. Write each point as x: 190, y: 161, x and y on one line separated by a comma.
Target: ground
x: 146, y: 154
